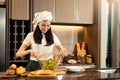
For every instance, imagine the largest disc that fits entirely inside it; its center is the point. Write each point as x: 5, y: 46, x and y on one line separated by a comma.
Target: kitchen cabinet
x: 17, y: 29
x: 42, y: 5
x: 84, y: 11
x: 74, y: 11
x: 64, y: 11
x: 2, y: 0
x: 67, y: 11
x: 20, y: 9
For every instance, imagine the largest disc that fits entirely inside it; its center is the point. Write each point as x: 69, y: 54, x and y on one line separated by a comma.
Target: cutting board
x: 42, y: 76
x: 53, y: 75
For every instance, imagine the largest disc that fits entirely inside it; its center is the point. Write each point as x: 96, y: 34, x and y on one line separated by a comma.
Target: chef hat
x: 39, y: 16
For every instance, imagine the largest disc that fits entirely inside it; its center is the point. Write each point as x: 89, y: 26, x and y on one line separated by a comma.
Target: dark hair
x: 38, y: 36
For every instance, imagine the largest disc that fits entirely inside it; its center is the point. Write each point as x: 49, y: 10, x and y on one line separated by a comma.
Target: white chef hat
x: 39, y: 16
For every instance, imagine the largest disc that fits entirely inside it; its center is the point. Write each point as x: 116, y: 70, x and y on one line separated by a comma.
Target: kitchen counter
x: 89, y: 74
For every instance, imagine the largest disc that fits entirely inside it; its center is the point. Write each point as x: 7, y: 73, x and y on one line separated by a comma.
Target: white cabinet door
x: 42, y: 5
x: 64, y: 11
x: 84, y: 11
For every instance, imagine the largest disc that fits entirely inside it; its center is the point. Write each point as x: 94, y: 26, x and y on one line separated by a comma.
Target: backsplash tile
x: 68, y: 35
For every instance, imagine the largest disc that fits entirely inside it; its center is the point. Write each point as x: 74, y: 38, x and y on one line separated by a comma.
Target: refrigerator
x: 2, y: 38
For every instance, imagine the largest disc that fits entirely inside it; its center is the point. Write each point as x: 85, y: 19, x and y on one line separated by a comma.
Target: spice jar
x: 89, y: 59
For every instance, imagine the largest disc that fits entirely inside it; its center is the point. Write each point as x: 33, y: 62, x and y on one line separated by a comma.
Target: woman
x: 42, y: 41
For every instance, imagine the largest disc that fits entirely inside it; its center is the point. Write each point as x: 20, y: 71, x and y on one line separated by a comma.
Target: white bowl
x: 107, y: 70
x: 75, y: 68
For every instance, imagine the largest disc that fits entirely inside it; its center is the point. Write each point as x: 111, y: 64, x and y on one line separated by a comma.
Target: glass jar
x: 89, y: 59
x: 81, y: 59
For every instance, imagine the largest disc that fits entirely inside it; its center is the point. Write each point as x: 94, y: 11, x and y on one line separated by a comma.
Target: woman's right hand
x: 34, y: 53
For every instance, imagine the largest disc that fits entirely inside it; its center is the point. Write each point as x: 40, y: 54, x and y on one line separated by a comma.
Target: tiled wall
x: 68, y: 35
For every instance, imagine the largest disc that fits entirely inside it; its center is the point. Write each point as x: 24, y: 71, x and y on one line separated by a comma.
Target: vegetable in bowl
x: 49, y: 64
